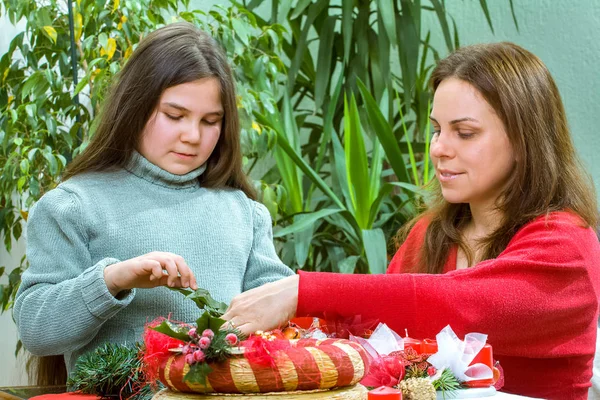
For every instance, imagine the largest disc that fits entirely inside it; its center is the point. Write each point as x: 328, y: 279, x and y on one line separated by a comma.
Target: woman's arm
x: 546, y: 281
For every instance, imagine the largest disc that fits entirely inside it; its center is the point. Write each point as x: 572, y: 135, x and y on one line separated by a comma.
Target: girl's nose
x: 192, y: 133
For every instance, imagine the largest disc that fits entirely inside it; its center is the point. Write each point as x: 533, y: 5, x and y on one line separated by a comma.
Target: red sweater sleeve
x: 537, y: 299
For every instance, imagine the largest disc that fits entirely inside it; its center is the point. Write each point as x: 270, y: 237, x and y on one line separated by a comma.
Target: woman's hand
x: 266, y: 307
x: 148, y: 271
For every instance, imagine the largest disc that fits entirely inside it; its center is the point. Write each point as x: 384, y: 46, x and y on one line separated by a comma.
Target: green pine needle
x: 112, y: 370
x: 447, y: 383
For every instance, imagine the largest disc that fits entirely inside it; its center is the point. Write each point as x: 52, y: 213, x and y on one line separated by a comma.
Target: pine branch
x: 447, y: 383
x: 111, y: 371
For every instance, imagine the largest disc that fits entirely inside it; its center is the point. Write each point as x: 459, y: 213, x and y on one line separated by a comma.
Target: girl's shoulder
x: 86, y: 188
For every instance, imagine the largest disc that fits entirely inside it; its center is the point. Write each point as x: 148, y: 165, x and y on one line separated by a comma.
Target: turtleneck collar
x: 142, y: 168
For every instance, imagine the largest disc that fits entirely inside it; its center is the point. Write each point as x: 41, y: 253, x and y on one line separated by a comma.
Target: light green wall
x: 566, y: 36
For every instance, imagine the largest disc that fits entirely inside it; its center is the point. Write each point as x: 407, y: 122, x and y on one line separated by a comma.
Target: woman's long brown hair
x: 170, y: 56
x: 548, y: 175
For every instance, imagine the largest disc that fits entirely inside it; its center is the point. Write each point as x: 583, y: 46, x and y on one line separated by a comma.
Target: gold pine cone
x: 417, y: 389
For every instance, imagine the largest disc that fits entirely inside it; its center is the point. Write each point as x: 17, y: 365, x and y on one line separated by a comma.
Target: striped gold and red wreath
x: 307, y: 364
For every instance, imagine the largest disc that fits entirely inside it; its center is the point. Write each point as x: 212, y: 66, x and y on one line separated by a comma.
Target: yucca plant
x: 352, y: 127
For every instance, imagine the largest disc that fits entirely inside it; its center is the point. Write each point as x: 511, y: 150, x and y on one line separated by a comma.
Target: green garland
x: 111, y: 371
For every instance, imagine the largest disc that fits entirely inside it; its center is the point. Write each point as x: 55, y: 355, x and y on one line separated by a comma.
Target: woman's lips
x: 445, y: 175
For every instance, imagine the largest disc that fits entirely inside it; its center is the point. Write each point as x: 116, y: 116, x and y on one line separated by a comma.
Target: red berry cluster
x: 195, y: 350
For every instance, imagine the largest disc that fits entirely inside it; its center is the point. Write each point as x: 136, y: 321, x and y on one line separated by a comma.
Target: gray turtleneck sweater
x: 96, y: 219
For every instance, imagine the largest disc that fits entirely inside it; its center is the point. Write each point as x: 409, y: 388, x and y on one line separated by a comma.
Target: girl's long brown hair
x: 548, y: 175
x: 176, y: 54
x: 170, y: 56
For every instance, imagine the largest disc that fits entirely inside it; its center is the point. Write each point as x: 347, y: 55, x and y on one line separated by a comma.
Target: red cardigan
x: 537, y: 301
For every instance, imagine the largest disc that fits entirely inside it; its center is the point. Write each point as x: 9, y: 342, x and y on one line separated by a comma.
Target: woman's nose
x: 440, y: 146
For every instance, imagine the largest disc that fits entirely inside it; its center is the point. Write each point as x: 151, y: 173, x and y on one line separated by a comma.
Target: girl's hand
x: 266, y: 307
x: 148, y: 271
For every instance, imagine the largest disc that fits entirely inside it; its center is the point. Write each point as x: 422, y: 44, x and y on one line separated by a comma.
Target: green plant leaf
x: 486, y: 11
x: 306, y: 221
x: 51, y: 33
x: 347, y: 22
x: 385, y: 8
x: 348, y: 265
x: 302, y: 241
x: 172, y: 330
x: 357, y: 168
x: 313, y: 12
x: 303, y: 165
x: 339, y: 170
x: 324, y: 71
x: 375, y: 249
x: 198, y: 373
x: 300, y: 7
x: 384, y: 132
x: 204, y: 301
x: 441, y: 14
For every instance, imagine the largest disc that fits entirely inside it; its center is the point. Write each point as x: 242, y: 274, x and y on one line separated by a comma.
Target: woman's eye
x: 173, y: 117
x: 212, y: 122
x: 465, y: 135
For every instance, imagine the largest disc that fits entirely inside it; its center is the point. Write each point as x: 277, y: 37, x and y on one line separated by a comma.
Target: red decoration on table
x: 385, y: 393
x: 66, y: 396
x: 485, y: 356
x: 385, y: 371
x: 429, y: 346
x: 410, y: 342
x: 342, y: 327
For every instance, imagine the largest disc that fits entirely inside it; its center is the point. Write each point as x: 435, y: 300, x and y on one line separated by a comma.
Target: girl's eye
x: 212, y: 123
x: 174, y: 117
x: 465, y: 135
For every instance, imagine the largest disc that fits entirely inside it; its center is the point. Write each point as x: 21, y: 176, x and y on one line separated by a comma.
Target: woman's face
x: 184, y: 129
x: 470, y: 150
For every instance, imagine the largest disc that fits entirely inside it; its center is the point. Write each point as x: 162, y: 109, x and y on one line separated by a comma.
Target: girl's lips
x: 184, y: 155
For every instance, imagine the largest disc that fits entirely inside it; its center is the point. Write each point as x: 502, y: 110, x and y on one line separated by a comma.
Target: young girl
x: 158, y: 198
x: 508, y: 248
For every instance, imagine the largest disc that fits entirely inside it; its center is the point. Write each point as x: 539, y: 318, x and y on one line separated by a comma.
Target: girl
x: 508, y: 247
x: 158, y: 198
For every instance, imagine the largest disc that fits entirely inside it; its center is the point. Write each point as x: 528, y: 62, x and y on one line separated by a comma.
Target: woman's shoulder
x: 559, y: 231
x: 557, y: 221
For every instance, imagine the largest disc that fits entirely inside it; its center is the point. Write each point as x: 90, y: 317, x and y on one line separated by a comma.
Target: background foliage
x: 333, y: 99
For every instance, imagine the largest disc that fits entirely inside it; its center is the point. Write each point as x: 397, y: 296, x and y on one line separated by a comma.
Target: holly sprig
x: 208, y: 341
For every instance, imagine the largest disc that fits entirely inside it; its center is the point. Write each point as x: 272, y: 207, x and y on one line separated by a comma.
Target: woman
x: 507, y: 248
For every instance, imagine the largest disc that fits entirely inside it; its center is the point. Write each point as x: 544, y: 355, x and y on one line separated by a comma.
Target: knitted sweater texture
x: 97, y: 219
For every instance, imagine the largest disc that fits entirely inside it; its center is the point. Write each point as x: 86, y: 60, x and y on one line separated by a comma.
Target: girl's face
x: 470, y: 149
x: 184, y: 129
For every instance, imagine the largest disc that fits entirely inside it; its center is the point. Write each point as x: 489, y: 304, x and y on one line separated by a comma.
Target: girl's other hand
x: 148, y: 271
x: 266, y: 307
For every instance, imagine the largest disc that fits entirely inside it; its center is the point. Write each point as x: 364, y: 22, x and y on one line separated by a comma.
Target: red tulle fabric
x: 261, y: 351
x: 342, y: 327
x: 384, y: 371
x: 157, y: 347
